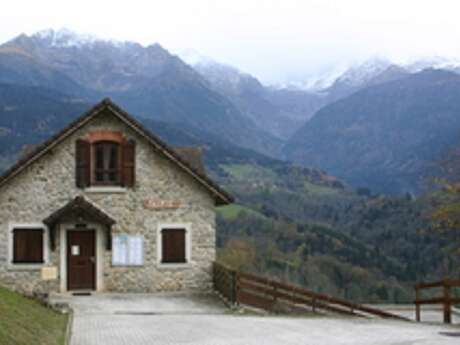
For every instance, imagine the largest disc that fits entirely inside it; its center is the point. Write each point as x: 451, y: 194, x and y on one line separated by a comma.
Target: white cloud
x: 272, y: 39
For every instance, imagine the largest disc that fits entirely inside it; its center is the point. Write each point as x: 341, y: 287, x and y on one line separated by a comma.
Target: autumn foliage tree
x: 445, y: 202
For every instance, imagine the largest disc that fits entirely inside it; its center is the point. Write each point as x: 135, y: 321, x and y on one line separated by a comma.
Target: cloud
x: 273, y: 39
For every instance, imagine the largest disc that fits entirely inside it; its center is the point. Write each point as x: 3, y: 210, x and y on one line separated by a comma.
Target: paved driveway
x: 199, y: 320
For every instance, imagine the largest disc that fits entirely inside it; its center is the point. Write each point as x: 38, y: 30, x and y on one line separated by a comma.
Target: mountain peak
x: 361, y: 73
x: 66, y: 38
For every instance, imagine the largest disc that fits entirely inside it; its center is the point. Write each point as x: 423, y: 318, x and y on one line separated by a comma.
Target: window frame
x: 94, y: 169
x: 27, y: 226
x: 188, y: 244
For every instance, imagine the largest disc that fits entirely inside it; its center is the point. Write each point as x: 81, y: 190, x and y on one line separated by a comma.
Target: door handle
x: 92, y: 259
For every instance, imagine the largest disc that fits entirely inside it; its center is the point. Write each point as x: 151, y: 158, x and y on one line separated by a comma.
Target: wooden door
x: 81, y: 260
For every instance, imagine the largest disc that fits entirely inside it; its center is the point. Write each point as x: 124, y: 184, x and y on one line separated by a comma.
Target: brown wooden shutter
x: 128, y: 164
x: 173, y: 246
x: 83, y: 164
x: 28, y: 245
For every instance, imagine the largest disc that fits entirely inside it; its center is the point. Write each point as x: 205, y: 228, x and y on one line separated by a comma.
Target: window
x: 28, y: 245
x: 128, y: 250
x: 173, y: 244
x: 106, y: 163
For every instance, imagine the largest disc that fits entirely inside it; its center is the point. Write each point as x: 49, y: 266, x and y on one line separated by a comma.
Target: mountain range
x: 380, y: 125
x: 372, y: 126
x: 148, y: 81
x: 387, y: 137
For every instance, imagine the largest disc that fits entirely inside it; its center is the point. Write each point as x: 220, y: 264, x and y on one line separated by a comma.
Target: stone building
x: 105, y: 205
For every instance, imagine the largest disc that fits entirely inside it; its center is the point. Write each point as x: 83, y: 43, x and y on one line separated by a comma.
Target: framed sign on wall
x: 127, y: 250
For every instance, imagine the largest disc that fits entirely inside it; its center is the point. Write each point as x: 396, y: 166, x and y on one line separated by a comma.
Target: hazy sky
x: 272, y: 39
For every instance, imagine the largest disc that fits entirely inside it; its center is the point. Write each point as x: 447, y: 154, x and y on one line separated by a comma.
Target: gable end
x: 221, y: 196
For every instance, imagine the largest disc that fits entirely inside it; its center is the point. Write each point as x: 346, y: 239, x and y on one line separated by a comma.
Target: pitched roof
x: 193, y: 156
x: 221, y: 196
x: 79, y: 207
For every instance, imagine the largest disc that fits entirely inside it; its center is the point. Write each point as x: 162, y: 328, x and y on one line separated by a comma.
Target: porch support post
x: 52, y: 236
x: 108, y: 239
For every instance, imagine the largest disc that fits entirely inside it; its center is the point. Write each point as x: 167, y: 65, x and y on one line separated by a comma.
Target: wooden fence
x: 446, y: 300
x: 224, y: 280
x: 249, y: 289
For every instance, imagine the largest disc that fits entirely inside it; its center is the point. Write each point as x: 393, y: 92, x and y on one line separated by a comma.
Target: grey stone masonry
x: 49, y: 183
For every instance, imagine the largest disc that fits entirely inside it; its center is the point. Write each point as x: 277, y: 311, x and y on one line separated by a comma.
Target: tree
x: 238, y: 254
x: 445, y: 202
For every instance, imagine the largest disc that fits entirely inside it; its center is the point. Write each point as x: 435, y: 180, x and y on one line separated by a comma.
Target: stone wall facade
x: 49, y: 183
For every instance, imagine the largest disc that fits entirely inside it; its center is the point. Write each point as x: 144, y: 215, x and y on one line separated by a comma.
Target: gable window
x: 101, y: 161
x: 174, y: 244
x: 27, y: 244
x: 106, y: 161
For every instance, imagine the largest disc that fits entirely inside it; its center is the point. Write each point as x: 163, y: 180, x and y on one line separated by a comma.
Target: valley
x: 331, y: 186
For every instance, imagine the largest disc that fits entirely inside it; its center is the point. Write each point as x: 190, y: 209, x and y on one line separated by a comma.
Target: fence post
x: 417, y: 304
x: 447, y: 307
x: 234, y: 286
x: 275, y: 296
x: 313, y: 304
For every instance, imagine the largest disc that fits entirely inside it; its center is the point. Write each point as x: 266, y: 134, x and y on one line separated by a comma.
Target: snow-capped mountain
x: 66, y: 38
x: 193, y: 57
x: 222, y: 76
x: 436, y: 62
x: 277, y: 111
x: 315, y: 82
x: 96, y: 63
x: 346, y: 75
x: 146, y: 80
x: 360, y: 74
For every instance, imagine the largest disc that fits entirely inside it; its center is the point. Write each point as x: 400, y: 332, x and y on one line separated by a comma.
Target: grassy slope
x: 24, y: 321
x: 232, y: 211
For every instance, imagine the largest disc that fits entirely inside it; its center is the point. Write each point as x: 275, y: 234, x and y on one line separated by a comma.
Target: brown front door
x: 81, y: 260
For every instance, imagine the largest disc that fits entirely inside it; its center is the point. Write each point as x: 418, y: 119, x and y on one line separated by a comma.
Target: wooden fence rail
x: 260, y: 292
x: 446, y: 300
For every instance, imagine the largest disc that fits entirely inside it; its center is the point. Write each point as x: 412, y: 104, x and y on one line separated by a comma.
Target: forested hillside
x: 317, y: 232
x: 386, y: 137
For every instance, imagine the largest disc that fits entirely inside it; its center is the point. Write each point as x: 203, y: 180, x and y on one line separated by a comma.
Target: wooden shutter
x: 128, y: 163
x: 28, y: 245
x: 173, y: 246
x: 83, y: 163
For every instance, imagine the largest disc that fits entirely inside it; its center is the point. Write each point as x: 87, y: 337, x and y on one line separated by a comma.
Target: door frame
x: 93, y: 231
x: 100, y: 252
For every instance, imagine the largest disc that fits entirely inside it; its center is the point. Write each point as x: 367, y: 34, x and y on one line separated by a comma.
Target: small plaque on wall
x: 49, y: 273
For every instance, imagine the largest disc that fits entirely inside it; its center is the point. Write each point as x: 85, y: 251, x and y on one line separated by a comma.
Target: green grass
x: 24, y: 321
x: 320, y: 190
x: 248, y: 171
x: 232, y: 211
